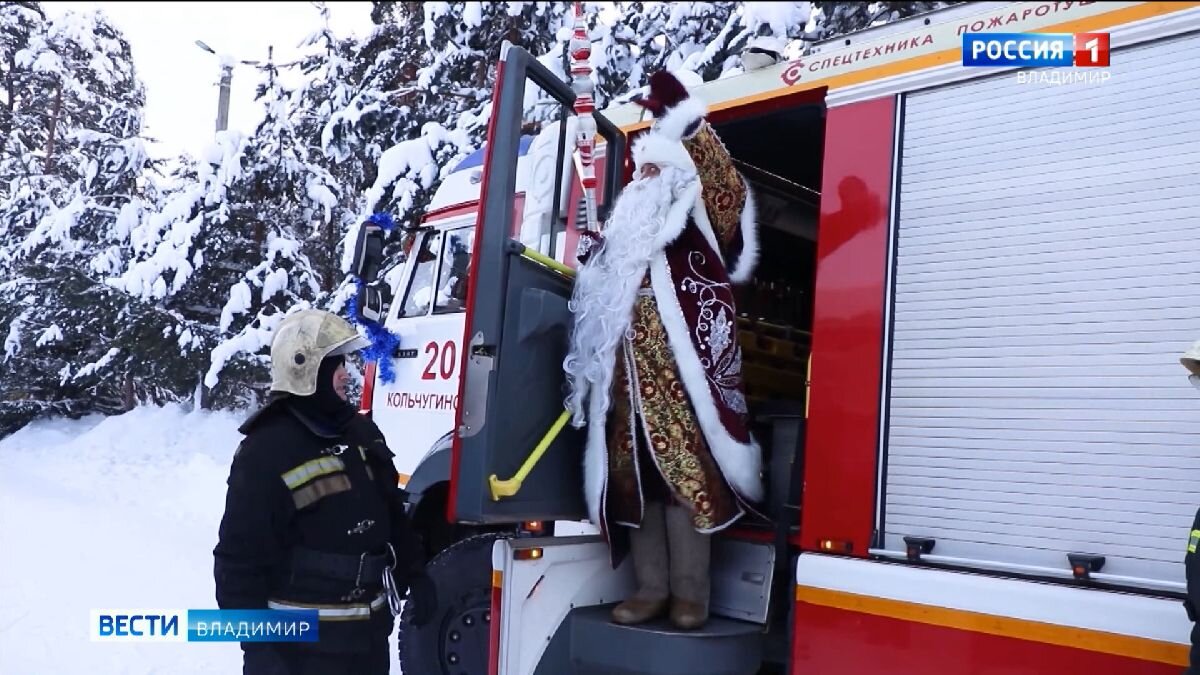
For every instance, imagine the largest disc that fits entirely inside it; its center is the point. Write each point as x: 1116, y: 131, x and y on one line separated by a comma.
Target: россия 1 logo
x: 1038, y: 50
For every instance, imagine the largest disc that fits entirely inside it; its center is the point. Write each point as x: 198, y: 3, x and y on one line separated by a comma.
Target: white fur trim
x: 677, y: 216
x: 595, y: 457
x: 700, y: 213
x: 744, y: 266
x: 655, y: 148
x: 677, y: 119
x: 741, y: 463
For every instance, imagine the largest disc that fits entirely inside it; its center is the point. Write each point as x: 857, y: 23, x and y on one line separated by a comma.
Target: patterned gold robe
x: 656, y: 445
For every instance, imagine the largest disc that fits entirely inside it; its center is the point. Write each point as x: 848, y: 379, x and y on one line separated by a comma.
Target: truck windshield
x: 455, y: 270
x: 420, y: 289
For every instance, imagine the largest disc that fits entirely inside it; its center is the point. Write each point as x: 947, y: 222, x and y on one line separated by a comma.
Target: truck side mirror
x: 368, y: 252
x: 372, y: 302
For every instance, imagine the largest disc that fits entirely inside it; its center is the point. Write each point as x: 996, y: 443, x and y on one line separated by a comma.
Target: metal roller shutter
x: 1046, y: 282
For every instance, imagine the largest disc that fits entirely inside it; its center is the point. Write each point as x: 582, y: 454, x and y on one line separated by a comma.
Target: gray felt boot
x: 648, y: 546
x: 690, y: 553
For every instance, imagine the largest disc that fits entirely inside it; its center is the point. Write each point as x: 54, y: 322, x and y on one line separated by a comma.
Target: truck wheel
x: 455, y: 641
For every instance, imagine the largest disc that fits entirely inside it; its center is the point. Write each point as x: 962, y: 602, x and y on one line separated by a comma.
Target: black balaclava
x: 324, y: 407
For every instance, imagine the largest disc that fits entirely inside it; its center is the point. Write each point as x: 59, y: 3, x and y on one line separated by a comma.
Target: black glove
x: 422, y: 598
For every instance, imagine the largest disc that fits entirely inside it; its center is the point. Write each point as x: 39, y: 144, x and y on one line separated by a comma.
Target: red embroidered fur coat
x: 677, y: 387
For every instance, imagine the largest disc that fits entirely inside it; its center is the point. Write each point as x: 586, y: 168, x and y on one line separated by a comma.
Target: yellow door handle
x: 510, y: 487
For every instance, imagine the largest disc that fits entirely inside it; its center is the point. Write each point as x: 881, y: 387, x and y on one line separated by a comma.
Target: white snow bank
x: 112, y: 513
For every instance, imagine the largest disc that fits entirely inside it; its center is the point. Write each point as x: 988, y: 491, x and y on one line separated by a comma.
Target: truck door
x: 518, y: 323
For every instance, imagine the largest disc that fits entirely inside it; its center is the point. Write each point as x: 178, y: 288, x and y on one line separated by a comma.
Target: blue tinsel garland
x: 383, y: 341
x: 383, y: 220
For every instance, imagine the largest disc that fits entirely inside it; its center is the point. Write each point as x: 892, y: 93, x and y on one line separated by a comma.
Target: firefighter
x: 1191, y: 361
x: 314, y: 517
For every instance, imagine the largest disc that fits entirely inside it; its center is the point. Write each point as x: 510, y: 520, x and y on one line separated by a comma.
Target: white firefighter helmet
x: 1191, y: 361
x: 302, y: 341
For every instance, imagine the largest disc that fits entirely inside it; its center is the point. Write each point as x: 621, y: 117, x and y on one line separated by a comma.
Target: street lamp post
x: 225, y: 83
x: 223, y: 100
x: 204, y: 394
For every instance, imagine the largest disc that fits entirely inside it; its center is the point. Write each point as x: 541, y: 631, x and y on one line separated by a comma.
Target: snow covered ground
x: 111, y: 513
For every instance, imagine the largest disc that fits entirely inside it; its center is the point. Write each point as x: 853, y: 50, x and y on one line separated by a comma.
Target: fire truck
x: 961, y: 352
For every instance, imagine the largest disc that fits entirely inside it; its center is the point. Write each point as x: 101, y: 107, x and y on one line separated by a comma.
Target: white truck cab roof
x: 461, y: 186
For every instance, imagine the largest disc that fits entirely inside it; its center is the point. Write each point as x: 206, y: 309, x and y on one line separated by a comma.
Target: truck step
x: 601, y: 647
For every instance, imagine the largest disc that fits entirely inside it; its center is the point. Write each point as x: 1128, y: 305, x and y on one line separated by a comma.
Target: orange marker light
x: 834, y: 546
x: 527, y: 554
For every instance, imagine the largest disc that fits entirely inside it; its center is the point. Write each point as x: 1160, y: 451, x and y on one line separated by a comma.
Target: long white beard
x: 607, y: 286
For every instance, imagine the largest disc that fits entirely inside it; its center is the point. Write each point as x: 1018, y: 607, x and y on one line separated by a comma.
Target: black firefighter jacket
x: 1191, y: 566
x: 294, y: 488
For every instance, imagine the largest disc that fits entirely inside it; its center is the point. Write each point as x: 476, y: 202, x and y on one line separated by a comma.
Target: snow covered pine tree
x: 229, y: 243
x: 327, y: 82
x: 838, y: 18
x: 73, y: 166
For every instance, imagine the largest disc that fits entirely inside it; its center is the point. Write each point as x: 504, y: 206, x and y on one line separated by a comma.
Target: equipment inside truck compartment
x: 780, y: 154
